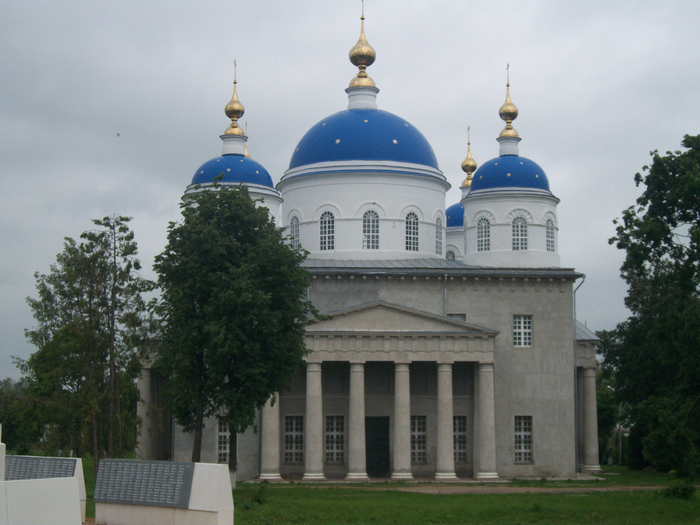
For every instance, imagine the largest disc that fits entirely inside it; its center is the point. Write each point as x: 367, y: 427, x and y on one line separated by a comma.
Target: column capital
x: 313, y: 367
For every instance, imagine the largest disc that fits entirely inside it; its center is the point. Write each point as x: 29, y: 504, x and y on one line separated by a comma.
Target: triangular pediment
x: 381, y: 316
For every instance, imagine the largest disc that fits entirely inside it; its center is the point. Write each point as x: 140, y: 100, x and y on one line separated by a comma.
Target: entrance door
x: 377, y: 447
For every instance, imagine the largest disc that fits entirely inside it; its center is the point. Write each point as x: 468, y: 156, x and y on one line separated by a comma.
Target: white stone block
x: 53, y: 501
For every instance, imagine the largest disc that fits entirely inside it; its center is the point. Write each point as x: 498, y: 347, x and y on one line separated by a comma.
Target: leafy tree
x: 21, y: 429
x: 608, y: 413
x: 655, y: 353
x: 89, y: 314
x: 233, y: 308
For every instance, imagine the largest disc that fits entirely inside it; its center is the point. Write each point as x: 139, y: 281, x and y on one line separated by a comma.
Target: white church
x: 451, y: 351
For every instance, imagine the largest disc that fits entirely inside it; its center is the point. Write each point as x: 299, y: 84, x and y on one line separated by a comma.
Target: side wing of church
x: 450, y: 349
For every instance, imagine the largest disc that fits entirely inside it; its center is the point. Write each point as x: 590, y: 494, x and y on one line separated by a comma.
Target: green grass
x: 287, y: 504
x: 89, y: 475
x: 377, y: 504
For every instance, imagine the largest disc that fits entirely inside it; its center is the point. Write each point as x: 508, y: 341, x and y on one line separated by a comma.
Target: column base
x: 357, y: 476
x: 486, y: 475
x: 445, y: 476
x: 270, y: 477
x: 401, y: 475
x: 314, y: 477
x: 590, y: 469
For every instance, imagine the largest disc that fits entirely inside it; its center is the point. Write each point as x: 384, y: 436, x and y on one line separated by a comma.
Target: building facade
x: 450, y: 349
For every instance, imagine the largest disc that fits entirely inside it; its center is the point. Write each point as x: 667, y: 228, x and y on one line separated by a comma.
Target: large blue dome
x: 235, y: 168
x: 509, y: 171
x: 363, y: 134
x: 455, y: 215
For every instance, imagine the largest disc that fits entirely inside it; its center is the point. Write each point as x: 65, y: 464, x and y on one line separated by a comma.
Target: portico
x: 410, y: 371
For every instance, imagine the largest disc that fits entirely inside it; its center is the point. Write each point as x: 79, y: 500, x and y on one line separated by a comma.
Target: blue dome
x: 509, y: 171
x: 455, y: 215
x: 236, y: 168
x: 363, y: 134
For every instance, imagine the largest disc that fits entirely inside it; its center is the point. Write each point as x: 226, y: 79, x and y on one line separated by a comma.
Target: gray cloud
x: 110, y: 107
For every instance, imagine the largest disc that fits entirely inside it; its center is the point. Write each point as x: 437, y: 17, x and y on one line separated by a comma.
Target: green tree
x: 90, y: 322
x: 655, y: 353
x: 233, y: 308
x: 21, y: 429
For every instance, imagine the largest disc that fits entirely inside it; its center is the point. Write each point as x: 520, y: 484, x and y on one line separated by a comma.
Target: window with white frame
x: 418, y: 439
x: 294, y: 231
x: 483, y: 235
x: 460, y: 438
x: 522, y: 330
x: 370, y: 230
x: 550, y: 235
x: 450, y: 255
x: 223, y: 442
x: 327, y: 231
x: 335, y: 439
x: 293, y: 439
x: 412, y: 232
x: 523, y: 439
x: 438, y: 237
x: 519, y: 233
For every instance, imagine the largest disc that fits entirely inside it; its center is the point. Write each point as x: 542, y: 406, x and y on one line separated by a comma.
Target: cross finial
x: 469, y: 135
x: 507, y: 73
x: 234, y: 71
x: 363, y: 10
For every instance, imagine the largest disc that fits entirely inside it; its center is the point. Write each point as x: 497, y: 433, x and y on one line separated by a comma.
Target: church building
x: 450, y: 349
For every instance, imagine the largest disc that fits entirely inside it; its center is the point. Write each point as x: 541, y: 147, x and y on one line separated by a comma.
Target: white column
x: 445, y: 424
x: 590, y: 423
x: 357, y: 461
x: 402, y: 423
x: 313, y: 450
x: 270, y: 447
x: 487, y: 424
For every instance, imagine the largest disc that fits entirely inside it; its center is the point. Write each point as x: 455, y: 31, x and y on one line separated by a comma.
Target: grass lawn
x: 377, y: 504
x: 298, y: 504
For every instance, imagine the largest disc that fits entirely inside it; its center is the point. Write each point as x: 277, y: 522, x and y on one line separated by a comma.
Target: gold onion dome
x: 508, y: 113
x: 234, y: 109
x: 362, y: 55
x: 469, y: 165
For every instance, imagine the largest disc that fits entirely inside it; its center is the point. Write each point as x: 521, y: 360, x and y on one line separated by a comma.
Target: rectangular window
x: 412, y: 232
x: 224, y: 442
x: 293, y: 439
x: 335, y: 439
x: 550, y: 235
x: 460, y: 438
x: 523, y: 439
x: 418, y: 439
x: 522, y: 330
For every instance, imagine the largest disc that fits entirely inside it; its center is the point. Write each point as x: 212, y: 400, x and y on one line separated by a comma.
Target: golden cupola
x: 234, y: 109
x: 469, y: 164
x: 508, y: 111
x: 362, y: 55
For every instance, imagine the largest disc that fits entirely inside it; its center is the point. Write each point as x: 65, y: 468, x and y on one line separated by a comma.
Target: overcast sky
x: 110, y: 107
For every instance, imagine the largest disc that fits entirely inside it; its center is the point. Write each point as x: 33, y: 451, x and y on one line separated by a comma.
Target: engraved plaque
x: 37, y: 467
x: 135, y: 482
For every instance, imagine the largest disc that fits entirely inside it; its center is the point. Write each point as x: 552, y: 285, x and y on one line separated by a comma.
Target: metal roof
x: 584, y: 334
x: 428, y: 266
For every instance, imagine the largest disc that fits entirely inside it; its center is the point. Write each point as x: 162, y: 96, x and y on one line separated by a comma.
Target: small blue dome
x: 455, y: 215
x: 236, y: 168
x: 509, y: 171
x: 363, y: 134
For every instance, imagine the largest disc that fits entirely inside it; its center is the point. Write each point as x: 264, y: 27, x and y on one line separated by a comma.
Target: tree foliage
x: 655, y: 354
x: 89, y: 313
x: 233, y: 308
x: 21, y: 429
